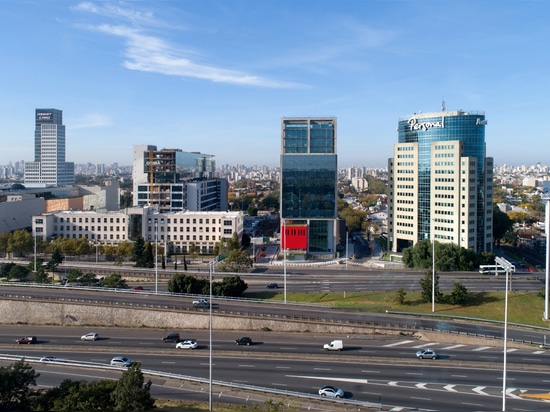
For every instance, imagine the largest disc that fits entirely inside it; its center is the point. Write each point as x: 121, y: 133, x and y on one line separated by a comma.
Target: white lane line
x: 450, y: 388
x: 479, y: 389
x: 425, y: 345
x: 481, y: 348
x: 453, y: 347
x: 282, y: 367
x: 370, y: 371
x: 247, y: 366
x: 389, y: 345
x: 329, y: 378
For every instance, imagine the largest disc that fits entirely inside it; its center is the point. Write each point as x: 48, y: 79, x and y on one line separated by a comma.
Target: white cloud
x: 153, y: 54
x: 90, y: 120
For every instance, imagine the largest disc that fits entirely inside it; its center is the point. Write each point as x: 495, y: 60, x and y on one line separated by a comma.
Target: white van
x: 334, y: 345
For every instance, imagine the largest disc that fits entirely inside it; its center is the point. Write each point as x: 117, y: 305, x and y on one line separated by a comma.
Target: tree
x: 5, y: 269
x: 20, y: 242
x: 180, y: 283
x: 78, y: 396
x: 459, y: 295
x: 502, y: 224
x: 138, y: 252
x: 74, y: 275
x: 41, y: 276
x: 15, y: 382
x: 149, y: 258
x: 131, y: 394
x: 426, y: 285
x: 232, y: 286
x: 18, y: 272
x: 115, y: 281
x: 400, y: 296
x: 4, y: 242
x: 237, y: 261
x: 55, y: 260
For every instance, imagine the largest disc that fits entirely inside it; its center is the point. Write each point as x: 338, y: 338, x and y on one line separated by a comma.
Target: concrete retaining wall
x: 74, y: 314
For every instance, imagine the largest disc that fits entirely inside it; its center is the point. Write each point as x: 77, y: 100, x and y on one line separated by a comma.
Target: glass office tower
x: 309, y: 171
x: 441, y: 181
x: 49, y: 167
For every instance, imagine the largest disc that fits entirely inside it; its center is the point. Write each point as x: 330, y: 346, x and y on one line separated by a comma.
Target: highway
x: 384, y: 370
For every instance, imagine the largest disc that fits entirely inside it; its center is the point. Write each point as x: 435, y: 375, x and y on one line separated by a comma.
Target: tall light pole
x: 507, y: 268
x: 433, y: 275
x: 156, y: 257
x: 546, y: 196
x: 34, y: 235
x: 210, y: 337
x: 283, y: 233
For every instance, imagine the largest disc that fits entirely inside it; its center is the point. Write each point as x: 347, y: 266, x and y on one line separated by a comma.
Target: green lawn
x: 523, y: 307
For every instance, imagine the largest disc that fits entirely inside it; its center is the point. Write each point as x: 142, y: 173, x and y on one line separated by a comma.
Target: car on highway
x: 90, y: 336
x: 27, y: 340
x: 171, y: 337
x: 245, y: 340
x: 201, y: 303
x: 331, y: 391
x: 426, y: 354
x: 48, y: 359
x: 121, y: 362
x: 187, y: 344
x: 137, y: 288
x: 272, y: 286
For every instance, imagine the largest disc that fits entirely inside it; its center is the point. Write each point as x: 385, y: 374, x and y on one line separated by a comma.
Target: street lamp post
x: 433, y: 275
x: 156, y: 257
x: 507, y: 268
x: 546, y: 196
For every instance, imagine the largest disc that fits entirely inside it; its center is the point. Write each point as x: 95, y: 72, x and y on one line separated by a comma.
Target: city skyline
x: 214, y: 78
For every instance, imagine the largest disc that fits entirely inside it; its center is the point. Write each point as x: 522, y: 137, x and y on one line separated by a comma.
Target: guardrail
x: 195, y: 379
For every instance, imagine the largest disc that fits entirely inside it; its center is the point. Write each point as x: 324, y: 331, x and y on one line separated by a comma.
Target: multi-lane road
x: 378, y: 370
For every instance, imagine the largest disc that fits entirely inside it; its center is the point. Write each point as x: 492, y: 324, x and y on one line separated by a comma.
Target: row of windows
x: 405, y: 179
x: 444, y: 212
x: 405, y: 209
x: 444, y: 188
x: 440, y: 155
x: 91, y: 220
x: 406, y: 156
x: 445, y: 179
x: 405, y: 217
x: 189, y: 220
x: 93, y: 228
x: 442, y: 196
x: 444, y: 163
x: 444, y: 147
x: 444, y: 204
x: 405, y: 186
x: 187, y: 229
x: 444, y: 171
x: 405, y: 194
x: 92, y: 236
x: 405, y: 171
x: 405, y: 163
x: 405, y: 148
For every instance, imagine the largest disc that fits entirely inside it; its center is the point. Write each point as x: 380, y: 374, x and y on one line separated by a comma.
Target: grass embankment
x: 523, y: 307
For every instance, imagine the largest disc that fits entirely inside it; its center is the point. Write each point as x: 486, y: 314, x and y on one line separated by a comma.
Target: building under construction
x: 174, y: 180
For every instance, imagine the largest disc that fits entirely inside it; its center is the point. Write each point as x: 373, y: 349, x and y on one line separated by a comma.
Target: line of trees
x: 128, y: 393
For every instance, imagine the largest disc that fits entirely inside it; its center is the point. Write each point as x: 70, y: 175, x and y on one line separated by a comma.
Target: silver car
x: 426, y: 354
x: 187, y: 344
x: 121, y: 362
x: 90, y: 336
x: 331, y: 392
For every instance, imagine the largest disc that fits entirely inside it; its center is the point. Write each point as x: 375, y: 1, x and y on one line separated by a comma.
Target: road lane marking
x: 421, y: 385
x: 282, y: 367
x: 453, y: 347
x: 479, y: 390
x: 425, y: 345
x: 397, y: 343
x: 450, y: 388
x: 325, y: 378
x: 246, y: 366
x: 370, y: 371
x: 481, y: 348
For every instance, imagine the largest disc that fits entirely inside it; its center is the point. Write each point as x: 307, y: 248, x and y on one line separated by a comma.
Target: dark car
x: 272, y: 286
x: 172, y: 337
x: 27, y: 339
x: 244, y: 341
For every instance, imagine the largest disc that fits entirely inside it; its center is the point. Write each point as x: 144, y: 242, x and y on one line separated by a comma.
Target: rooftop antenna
x: 442, y: 105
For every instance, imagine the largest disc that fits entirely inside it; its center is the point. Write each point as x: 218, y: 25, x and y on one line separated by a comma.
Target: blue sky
x: 218, y: 76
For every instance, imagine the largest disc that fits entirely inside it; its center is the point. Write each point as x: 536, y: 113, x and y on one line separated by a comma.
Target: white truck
x: 334, y: 345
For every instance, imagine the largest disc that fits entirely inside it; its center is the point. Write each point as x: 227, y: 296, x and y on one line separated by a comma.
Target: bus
x: 496, y: 269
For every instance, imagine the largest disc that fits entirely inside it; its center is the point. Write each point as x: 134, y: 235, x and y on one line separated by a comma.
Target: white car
x: 331, y: 392
x: 201, y: 302
x: 187, y: 344
x: 90, y: 336
x: 426, y: 354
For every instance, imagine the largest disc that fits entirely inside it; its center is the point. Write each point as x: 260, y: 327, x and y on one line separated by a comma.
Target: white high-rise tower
x: 49, y: 167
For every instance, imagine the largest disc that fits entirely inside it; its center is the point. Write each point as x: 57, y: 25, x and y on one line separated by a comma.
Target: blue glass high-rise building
x: 441, y: 182
x: 309, y: 171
